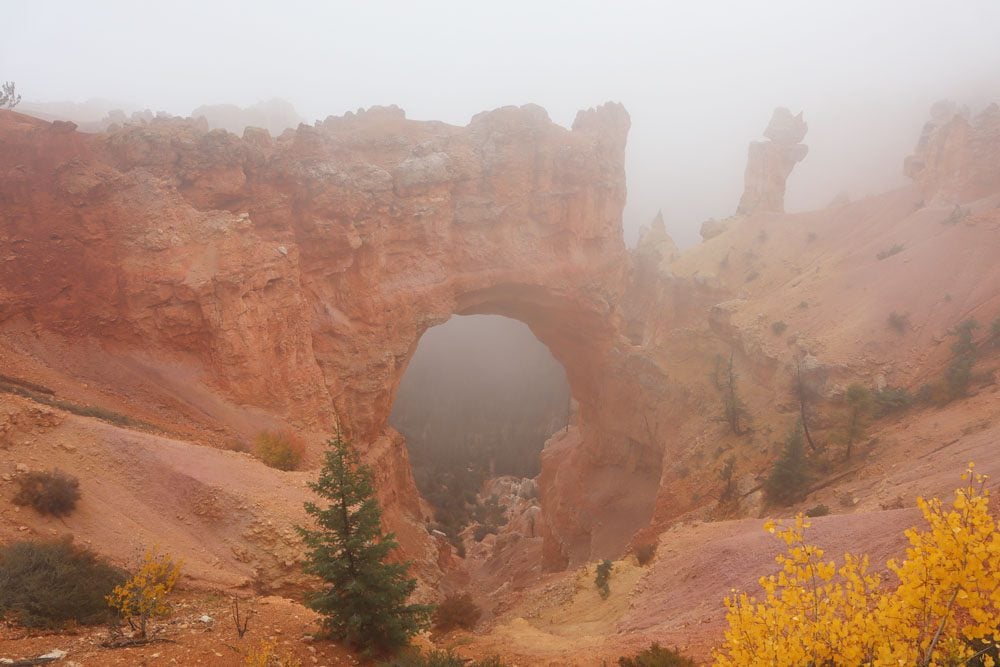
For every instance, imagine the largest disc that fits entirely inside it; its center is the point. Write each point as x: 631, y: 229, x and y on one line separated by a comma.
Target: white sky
x: 699, y: 78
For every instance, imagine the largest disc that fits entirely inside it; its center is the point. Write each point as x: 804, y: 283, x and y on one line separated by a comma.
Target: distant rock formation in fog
x: 956, y: 158
x: 94, y: 115
x: 770, y: 162
x: 81, y: 113
x: 98, y: 115
x: 655, y: 245
x: 274, y: 115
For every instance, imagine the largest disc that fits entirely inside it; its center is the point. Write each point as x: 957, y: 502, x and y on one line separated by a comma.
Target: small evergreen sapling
x: 364, y: 600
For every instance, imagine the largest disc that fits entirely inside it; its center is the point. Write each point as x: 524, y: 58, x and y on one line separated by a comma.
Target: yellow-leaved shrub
x: 144, y: 595
x: 267, y: 654
x: 944, y: 610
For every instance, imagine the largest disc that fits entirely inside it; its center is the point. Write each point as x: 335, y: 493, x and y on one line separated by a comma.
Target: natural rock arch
x: 300, y: 273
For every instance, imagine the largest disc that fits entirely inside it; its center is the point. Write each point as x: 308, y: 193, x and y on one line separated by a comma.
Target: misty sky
x: 699, y: 78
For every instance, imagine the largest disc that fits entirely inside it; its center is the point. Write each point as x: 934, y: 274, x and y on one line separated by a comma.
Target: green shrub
x: 53, y: 492
x: 818, y: 510
x: 456, y: 611
x: 957, y: 215
x: 644, y: 553
x: 46, y: 396
x: 282, y: 450
x: 789, y: 478
x: 657, y: 656
x: 46, y: 584
x: 30, y: 386
x: 778, y: 327
x: 889, y: 252
x: 898, y: 322
x: 602, y: 578
x: 889, y: 400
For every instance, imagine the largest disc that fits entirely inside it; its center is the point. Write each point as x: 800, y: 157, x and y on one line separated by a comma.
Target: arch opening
x: 478, y: 400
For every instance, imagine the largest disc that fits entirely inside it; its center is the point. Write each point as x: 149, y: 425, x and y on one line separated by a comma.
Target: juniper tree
x: 364, y: 601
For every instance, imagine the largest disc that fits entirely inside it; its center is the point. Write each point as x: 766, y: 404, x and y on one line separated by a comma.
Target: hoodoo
x: 769, y: 163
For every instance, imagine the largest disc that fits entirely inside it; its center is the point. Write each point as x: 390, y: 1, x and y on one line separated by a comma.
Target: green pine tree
x: 364, y: 603
x: 790, y: 475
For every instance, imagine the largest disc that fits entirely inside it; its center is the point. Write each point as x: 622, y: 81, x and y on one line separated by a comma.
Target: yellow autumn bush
x: 144, y: 595
x: 267, y: 654
x: 944, y: 610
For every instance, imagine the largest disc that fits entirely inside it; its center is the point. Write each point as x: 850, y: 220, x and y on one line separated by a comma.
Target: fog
x: 481, y: 390
x: 480, y: 397
x: 700, y: 79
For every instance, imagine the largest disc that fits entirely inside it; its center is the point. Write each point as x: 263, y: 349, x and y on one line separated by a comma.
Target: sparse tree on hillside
x: 859, y: 407
x: 365, y: 600
x: 728, y: 474
x: 786, y: 484
x: 8, y: 95
x: 964, y: 353
x: 734, y: 411
x: 806, y: 394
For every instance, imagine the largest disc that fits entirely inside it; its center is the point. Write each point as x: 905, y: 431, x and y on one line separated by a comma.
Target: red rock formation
x: 299, y: 273
x: 770, y: 162
x: 957, y: 158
